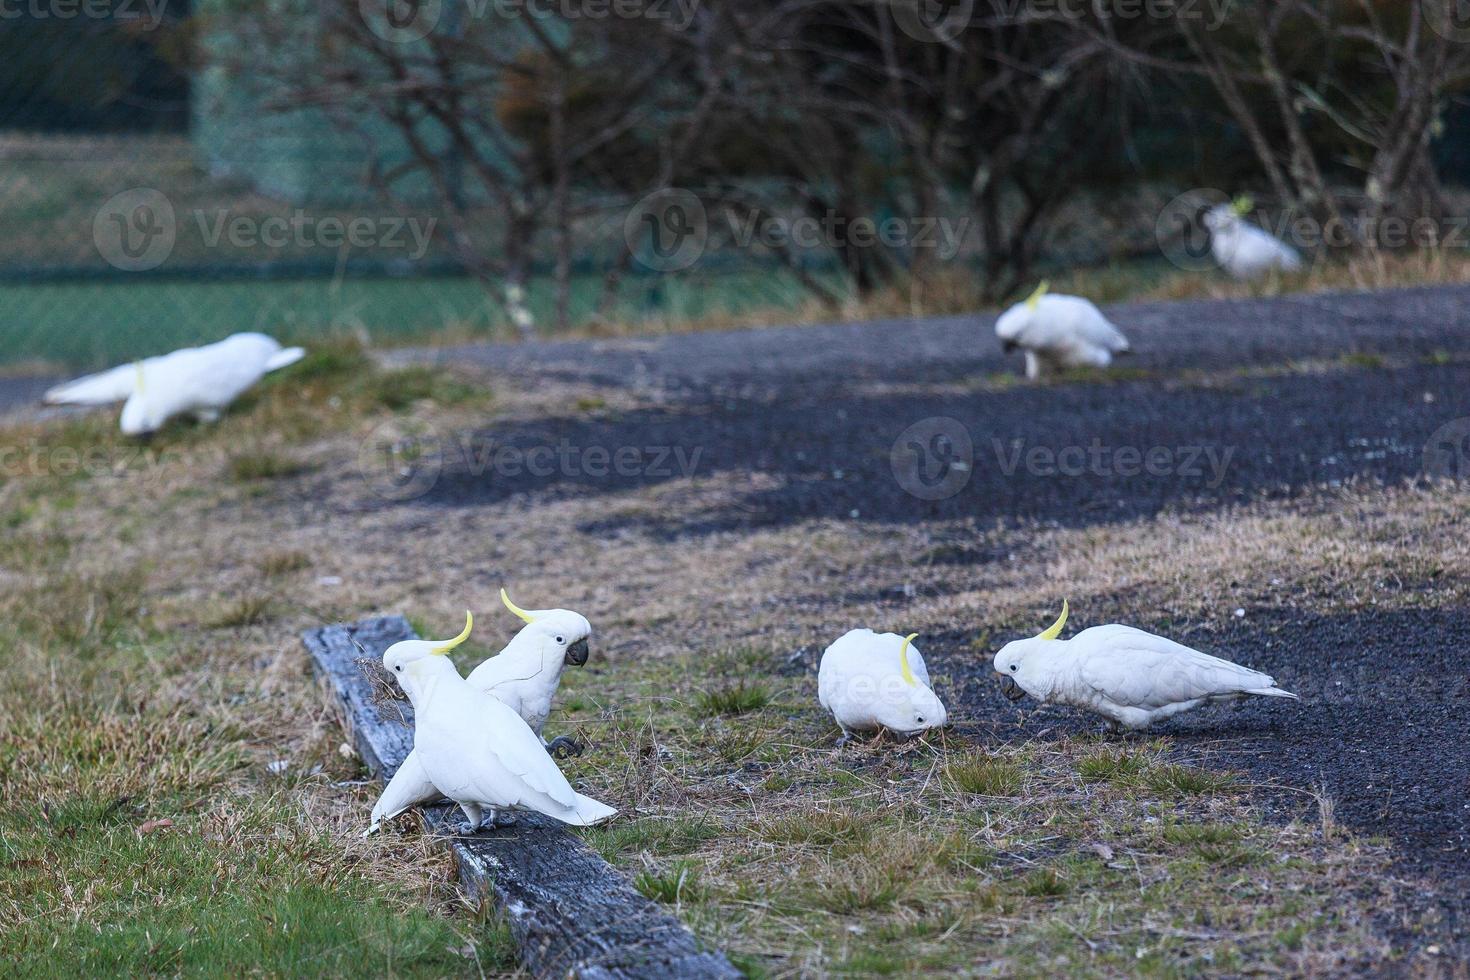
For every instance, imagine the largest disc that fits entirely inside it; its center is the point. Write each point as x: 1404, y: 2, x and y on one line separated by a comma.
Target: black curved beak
x: 578, y: 653
x: 1009, y: 346
x: 1010, y: 688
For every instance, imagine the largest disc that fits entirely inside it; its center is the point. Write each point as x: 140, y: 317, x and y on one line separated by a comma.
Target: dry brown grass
x: 157, y: 642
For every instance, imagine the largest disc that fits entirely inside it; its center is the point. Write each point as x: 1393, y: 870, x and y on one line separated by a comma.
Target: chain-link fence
x: 147, y: 204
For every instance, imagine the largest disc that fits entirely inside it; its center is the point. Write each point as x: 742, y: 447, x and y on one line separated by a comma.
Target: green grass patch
x: 984, y: 775
x: 740, y: 698
x: 675, y: 885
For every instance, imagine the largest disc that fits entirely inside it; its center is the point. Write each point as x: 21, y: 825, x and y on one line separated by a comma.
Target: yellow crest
x: 447, y: 645
x: 903, y: 660
x: 1055, y: 629
x: 1037, y: 293
x: 515, y: 608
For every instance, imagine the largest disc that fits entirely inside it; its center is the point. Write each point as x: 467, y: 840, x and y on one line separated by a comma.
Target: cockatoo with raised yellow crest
x: 1242, y: 249
x: 871, y: 681
x: 198, y: 381
x: 1058, y: 331
x: 1130, y: 677
x: 475, y: 748
x: 524, y: 676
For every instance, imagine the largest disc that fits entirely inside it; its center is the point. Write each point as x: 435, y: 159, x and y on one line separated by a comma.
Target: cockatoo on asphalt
x: 1242, y: 249
x: 475, y: 748
x: 524, y: 676
x: 1058, y: 331
x: 1130, y: 677
x: 198, y: 381
x: 871, y: 681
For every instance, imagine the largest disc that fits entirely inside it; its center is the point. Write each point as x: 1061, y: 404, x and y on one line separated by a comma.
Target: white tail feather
x: 588, y: 812
x: 103, y: 388
x: 1274, y: 692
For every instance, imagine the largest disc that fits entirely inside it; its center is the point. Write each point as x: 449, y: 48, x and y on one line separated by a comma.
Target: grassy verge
x: 178, y: 798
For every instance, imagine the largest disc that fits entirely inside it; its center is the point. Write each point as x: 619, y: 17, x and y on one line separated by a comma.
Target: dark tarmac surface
x: 1384, y: 724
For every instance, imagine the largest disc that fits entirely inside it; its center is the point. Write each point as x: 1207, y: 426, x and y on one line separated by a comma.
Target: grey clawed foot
x: 564, y: 747
x: 503, y: 819
x: 464, y: 828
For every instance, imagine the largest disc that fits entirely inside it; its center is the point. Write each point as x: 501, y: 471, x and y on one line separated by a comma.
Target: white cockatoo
x: 871, y: 681
x: 1058, y: 331
x: 1130, y: 677
x: 524, y: 676
x: 1242, y: 249
x: 475, y: 748
x: 198, y: 381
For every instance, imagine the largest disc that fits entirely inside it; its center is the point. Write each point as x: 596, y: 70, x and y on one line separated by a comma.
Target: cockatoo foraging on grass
x: 1130, y: 677
x: 475, y: 748
x: 872, y: 681
x: 1058, y: 331
x: 524, y: 676
x: 198, y: 381
x: 1242, y: 249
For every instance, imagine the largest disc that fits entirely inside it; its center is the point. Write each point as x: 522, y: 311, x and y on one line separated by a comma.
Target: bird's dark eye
x: 399, y: 668
x: 1013, y: 668
x: 920, y: 719
x: 560, y: 640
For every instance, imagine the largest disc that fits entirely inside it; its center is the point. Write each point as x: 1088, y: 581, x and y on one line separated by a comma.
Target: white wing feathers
x: 1138, y: 669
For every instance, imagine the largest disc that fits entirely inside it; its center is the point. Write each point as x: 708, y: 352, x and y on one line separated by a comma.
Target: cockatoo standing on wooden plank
x: 475, y: 749
x: 524, y: 676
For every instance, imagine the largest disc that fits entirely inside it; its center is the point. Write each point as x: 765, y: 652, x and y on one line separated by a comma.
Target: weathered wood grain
x: 570, y: 912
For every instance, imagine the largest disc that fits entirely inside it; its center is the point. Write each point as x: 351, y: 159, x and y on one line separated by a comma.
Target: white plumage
x: 474, y: 748
x: 524, y: 677
x: 1242, y: 249
x: 1130, y: 677
x: 1058, y: 331
x: 199, y: 381
x: 878, y: 680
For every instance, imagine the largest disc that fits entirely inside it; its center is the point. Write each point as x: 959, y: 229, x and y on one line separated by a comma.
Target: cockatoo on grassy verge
x: 1242, y: 249
x: 1130, y: 677
x: 476, y: 749
x: 198, y: 381
x: 871, y: 681
x: 1059, y: 331
x: 524, y: 676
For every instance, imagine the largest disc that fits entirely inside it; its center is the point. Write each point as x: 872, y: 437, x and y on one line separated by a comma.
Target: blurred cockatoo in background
x: 1242, y: 249
x: 1058, y: 331
x: 198, y: 381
